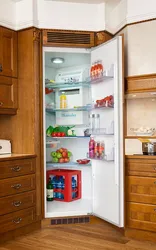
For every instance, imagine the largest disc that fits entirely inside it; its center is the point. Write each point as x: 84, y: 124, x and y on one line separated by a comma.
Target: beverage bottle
x: 100, y: 72
x: 54, y: 185
x: 96, y: 150
x: 50, y: 191
x: 96, y: 70
x: 91, y: 147
x: 63, y: 101
x: 92, y: 72
x: 101, y: 150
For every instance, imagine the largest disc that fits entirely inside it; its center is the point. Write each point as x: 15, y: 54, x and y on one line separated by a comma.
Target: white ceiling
x: 71, y: 59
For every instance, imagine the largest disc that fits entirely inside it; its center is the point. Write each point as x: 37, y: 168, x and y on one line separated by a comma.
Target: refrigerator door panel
x: 108, y: 198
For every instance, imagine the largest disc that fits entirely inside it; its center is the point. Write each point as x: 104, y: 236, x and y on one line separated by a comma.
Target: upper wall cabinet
x: 8, y: 52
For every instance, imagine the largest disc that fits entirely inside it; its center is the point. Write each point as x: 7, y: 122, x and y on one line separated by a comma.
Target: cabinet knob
x: 154, y: 209
x: 17, y: 220
x: 1, y: 68
x: 16, y: 203
x: 16, y: 186
x: 1, y: 104
x: 16, y: 168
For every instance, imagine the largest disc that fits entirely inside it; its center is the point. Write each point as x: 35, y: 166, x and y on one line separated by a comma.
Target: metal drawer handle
x: 155, y: 182
x: 16, y: 203
x: 1, y: 68
x: 1, y: 103
x: 16, y: 186
x: 17, y: 220
x: 16, y: 169
x: 154, y: 209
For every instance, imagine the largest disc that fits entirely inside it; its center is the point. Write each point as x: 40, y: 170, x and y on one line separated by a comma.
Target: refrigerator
x: 102, y: 180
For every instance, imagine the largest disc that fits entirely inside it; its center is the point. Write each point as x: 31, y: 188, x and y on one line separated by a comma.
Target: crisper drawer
x: 17, y: 202
x: 141, y: 189
x: 141, y: 216
x: 18, y: 219
x: 17, y: 167
x: 17, y: 185
x: 141, y: 167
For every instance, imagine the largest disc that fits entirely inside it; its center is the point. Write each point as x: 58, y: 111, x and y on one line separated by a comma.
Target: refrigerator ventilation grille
x: 67, y: 38
x: 73, y: 220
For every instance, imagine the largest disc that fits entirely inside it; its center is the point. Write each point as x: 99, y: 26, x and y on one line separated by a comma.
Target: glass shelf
x: 83, y: 108
x: 102, y: 131
x: 55, y: 139
x: 101, y: 79
x: 67, y: 85
x: 69, y: 164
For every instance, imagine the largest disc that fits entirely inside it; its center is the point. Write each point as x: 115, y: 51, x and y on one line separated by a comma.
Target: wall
x: 141, y: 49
x: 8, y: 13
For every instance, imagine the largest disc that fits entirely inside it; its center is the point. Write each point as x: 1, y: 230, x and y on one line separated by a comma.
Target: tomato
x: 63, y: 134
x: 59, y: 134
x: 54, y: 134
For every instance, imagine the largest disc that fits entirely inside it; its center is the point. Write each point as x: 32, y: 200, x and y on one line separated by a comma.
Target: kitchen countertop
x: 146, y: 157
x: 8, y: 157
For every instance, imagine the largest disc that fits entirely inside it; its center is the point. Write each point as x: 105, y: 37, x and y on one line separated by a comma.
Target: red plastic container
x: 68, y: 190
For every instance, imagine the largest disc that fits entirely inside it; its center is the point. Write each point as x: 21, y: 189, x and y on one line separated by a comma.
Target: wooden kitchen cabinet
x: 8, y: 95
x: 140, y: 194
x: 8, y: 52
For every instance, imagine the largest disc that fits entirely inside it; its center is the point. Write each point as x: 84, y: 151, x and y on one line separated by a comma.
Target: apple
x: 64, y: 154
x: 69, y: 154
x: 59, y: 155
x: 55, y: 160
x: 66, y: 159
x: 64, y: 149
x: 61, y: 150
x: 61, y: 160
x: 53, y: 154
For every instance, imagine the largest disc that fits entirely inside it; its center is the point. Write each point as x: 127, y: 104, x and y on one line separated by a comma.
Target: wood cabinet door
x: 141, y: 216
x: 141, y: 189
x: 8, y: 95
x: 8, y: 52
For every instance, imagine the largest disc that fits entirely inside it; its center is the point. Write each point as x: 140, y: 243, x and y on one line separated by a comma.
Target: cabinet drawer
x: 18, y: 219
x: 8, y: 93
x: 17, y: 202
x: 141, y: 189
x: 17, y: 167
x: 141, y: 167
x: 17, y: 185
x: 141, y: 216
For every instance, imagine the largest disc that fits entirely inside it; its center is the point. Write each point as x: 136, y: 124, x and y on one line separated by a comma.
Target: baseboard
x: 20, y: 231
x: 140, y: 234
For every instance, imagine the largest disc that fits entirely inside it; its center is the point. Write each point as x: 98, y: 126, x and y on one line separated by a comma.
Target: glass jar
x: 91, y: 122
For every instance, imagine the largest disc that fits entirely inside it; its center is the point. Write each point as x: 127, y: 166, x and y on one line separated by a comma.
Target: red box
x: 68, y: 190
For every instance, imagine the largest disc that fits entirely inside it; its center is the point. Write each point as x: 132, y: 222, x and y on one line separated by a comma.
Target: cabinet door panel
x: 8, y: 93
x: 141, y: 189
x: 141, y: 216
x: 8, y: 58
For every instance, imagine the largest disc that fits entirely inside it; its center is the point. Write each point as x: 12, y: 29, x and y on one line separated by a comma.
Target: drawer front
x: 17, y: 202
x: 16, y: 220
x: 141, y: 168
x: 141, y: 216
x: 17, y: 185
x: 17, y: 168
x: 141, y: 189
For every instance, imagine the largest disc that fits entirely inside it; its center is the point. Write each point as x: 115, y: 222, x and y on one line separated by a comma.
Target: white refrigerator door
x: 108, y: 197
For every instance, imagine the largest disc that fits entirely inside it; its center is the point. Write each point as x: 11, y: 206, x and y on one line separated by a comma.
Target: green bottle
x: 50, y: 191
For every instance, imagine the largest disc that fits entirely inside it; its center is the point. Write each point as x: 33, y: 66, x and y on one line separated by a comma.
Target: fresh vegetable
x: 58, y: 134
x: 49, y: 131
x: 54, y: 134
x: 63, y: 134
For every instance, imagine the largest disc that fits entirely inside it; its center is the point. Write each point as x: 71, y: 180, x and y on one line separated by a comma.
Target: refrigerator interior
x: 78, y: 146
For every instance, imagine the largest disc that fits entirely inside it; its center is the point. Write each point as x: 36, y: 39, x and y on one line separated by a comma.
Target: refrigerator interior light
x: 57, y: 60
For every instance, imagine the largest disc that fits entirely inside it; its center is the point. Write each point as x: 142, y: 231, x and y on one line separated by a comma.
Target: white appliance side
x: 84, y: 205
x: 108, y: 198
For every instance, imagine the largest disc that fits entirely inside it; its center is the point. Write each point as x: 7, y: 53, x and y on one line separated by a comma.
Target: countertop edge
x: 10, y: 157
x: 147, y: 157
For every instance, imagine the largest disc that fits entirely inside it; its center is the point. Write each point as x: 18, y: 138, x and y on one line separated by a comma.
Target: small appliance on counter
x: 5, y: 147
x: 149, y: 148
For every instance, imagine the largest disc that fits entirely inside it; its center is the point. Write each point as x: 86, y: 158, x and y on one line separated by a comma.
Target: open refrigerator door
x: 108, y: 201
